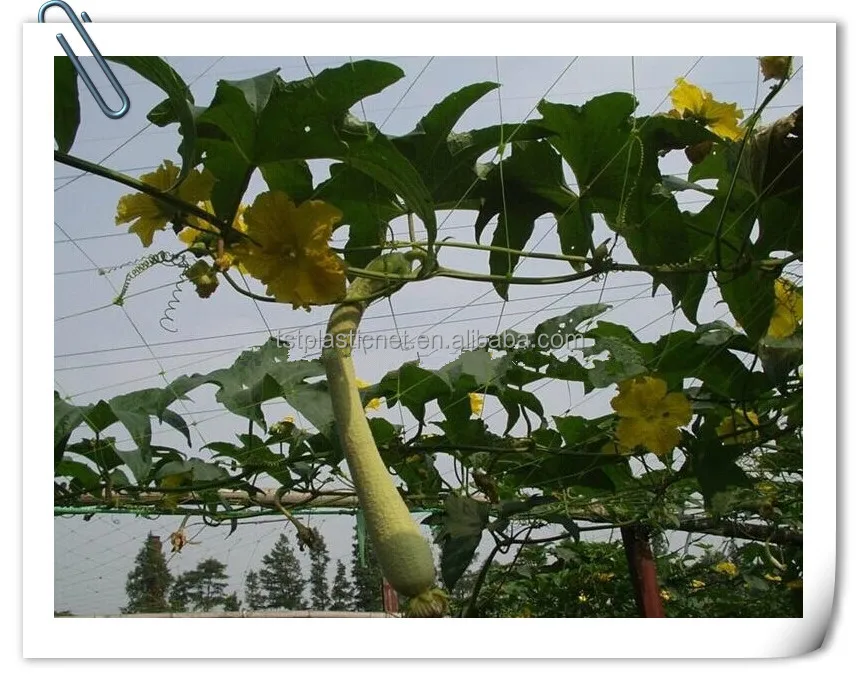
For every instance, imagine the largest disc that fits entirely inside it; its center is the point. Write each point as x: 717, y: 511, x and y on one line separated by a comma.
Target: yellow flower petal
x: 637, y: 395
x: 375, y: 403
x: 690, y: 101
x: 288, y: 250
x: 687, y: 98
x: 476, y: 401
x: 650, y: 416
x: 739, y: 427
x: 676, y: 409
x: 148, y: 213
x: 656, y: 436
x: 787, y: 312
x: 727, y: 568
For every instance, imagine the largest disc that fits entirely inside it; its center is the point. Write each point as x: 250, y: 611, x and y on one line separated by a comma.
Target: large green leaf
x: 266, y: 373
x: 681, y: 355
x: 86, y: 478
x: 524, y: 186
x: 236, y: 110
x: 565, y: 327
x: 595, y: 139
x: 447, y: 170
x: 751, y: 299
x: 292, y: 177
x: 464, y: 521
x: 67, y: 110
x: 67, y: 417
x: 413, y: 386
x: 101, y: 452
x: 367, y: 208
x: 161, y: 74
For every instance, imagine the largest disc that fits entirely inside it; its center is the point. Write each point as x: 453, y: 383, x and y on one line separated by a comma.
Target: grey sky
x: 99, y: 354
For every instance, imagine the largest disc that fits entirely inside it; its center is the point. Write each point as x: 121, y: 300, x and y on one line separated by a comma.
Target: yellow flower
x: 288, y: 250
x: 727, y: 568
x: 767, y: 488
x: 147, y: 213
x: 665, y: 595
x: 690, y: 101
x: 583, y: 598
x: 739, y: 427
x: 650, y: 415
x: 283, y: 427
x: 604, y: 576
x: 697, y: 584
x: 476, y: 401
x: 772, y: 578
x: 202, y: 234
x: 373, y: 404
x: 775, y: 67
x: 788, y: 310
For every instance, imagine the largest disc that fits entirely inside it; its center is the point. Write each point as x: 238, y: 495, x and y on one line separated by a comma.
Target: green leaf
x: 67, y: 111
x: 413, y: 386
x: 594, y: 139
x: 524, y: 186
x: 751, y: 299
x: 86, y: 477
x: 134, y: 410
x: 100, y: 416
x: 67, y: 417
x: 310, y: 119
x: 161, y: 74
x: 367, y: 208
x: 717, y: 474
x: 681, y: 355
x: 265, y: 374
x: 625, y: 361
x: 566, y: 326
x: 102, y: 452
x: 232, y: 173
x: 575, y: 232
x: 291, y: 177
x: 171, y: 418
x: 464, y: 521
x: 236, y: 110
x: 138, y: 462
x: 445, y: 160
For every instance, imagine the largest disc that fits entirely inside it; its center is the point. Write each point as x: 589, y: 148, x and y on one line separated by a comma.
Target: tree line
x: 279, y: 583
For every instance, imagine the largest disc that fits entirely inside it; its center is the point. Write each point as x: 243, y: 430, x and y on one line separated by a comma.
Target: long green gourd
x: 404, y: 555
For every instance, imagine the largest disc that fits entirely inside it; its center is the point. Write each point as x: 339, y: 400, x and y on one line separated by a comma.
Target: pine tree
x: 281, y: 579
x: 342, y: 595
x: 254, y: 597
x: 366, y: 578
x: 320, y: 599
x: 232, y: 603
x: 180, y: 593
x: 203, y: 588
x: 149, y: 581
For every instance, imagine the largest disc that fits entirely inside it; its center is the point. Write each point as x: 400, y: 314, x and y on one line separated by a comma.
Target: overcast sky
x: 99, y: 352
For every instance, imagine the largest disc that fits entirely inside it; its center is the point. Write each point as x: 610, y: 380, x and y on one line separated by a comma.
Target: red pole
x: 642, y: 570
x: 390, y: 600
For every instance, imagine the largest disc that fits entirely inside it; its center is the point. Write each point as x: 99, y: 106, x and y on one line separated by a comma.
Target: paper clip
x: 110, y: 113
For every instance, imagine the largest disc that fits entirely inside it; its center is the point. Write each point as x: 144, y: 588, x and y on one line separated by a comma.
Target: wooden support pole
x: 642, y: 570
